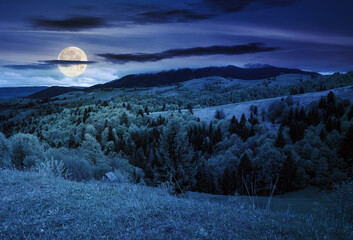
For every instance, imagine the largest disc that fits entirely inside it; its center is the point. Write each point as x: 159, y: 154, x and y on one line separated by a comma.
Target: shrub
x: 92, y: 149
x: 5, y: 151
x: 26, y: 150
x: 51, y: 167
x: 76, y: 166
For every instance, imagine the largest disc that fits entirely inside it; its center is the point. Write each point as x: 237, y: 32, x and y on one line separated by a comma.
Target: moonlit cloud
x: 187, y: 52
x: 151, y: 36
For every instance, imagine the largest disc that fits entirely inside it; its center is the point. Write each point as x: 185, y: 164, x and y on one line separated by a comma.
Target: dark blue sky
x: 124, y: 37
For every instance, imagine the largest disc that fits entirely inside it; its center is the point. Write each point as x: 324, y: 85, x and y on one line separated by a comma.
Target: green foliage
x: 51, y: 167
x: 5, y: 152
x: 202, y: 156
x: 26, y: 151
x: 175, y: 156
x: 76, y: 167
x: 287, y: 175
x: 92, y: 149
x: 346, y: 149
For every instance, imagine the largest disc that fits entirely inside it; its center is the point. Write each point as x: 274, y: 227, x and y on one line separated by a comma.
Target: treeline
x: 312, y: 146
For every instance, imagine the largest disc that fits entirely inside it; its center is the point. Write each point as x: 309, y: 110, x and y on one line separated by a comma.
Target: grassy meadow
x: 34, y: 206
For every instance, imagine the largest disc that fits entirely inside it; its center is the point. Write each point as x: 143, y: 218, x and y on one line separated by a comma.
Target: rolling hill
x: 52, y: 92
x: 181, y: 75
x: 17, y: 92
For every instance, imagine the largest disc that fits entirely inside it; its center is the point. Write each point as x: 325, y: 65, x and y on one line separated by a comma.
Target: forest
x: 154, y: 140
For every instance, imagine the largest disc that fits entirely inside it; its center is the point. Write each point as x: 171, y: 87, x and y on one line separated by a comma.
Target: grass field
x: 33, y: 206
x: 299, y: 202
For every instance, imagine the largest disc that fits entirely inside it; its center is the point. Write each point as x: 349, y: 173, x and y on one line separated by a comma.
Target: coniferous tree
x: 242, y: 121
x: 124, y: 118
x: 329, y: 124
x: 323, y: 134
x: 301, y: 90
x: 244, y: 172
x: 296, y: 131
x: 331, y: 98
x: 340, y: 110
x: 217, y: 136
x: 287, y: 175
x: 234, y: 125
x: 110, y: 134
x: 350, y: 113
x: 346, y: 149
x: 71, y: 141
x: 229, y: 181
x: 176, y: 156
x: 280, y: 142
x: 255, y: 110
x: 219, y: 114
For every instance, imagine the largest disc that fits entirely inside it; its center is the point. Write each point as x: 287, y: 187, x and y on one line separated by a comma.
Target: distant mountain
x: 181, y: 75
x: 17, y: 92
x: 51, y: 92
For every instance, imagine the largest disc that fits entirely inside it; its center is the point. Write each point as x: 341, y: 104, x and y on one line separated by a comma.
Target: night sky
x: 124, y: 37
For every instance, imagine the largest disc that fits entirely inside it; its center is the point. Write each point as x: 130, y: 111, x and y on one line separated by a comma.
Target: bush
x: 77, y: 168
x: 5, y: 151
x: 26, y: 151
x: 51, y: 167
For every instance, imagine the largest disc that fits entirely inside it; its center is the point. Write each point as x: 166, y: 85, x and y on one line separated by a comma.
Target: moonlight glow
x: 72, y: 54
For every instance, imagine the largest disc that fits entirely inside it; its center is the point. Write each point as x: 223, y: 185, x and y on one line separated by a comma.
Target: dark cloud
x: 145, y: 14
x: 72, y: 24
x: 188, y: 52
x: 229, y: 6
x: 66, y: 62
x: 36, y: 66
x: 46, y: 64
x: 172, y: 15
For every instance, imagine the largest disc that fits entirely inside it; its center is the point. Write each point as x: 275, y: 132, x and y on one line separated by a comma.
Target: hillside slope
x: 17, y: 92
x: 237, y: 109
x: 36, y: 207
x: 181, y: 75
x: 52, y: 92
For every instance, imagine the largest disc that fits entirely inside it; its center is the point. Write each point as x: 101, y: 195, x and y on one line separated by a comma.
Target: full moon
x: 72, y: 54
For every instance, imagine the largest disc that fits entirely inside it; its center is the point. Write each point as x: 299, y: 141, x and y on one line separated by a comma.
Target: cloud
x: 188, y: 52
x: 95, y: 74
x: 46, y: 64
x: 37, y: 66
x: 66, y: 62
x: 141, y: 14
x: 229, y: 6
x: 72, y: 23
x: 171, y: 15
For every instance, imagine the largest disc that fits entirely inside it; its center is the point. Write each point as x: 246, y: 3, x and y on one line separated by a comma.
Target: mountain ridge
x: 185, y: 74
x: 176, y: 76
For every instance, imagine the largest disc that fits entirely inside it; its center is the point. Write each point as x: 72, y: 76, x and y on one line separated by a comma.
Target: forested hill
x: 181, y: 75
x: 17, y: 92
x: 52, y: 92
